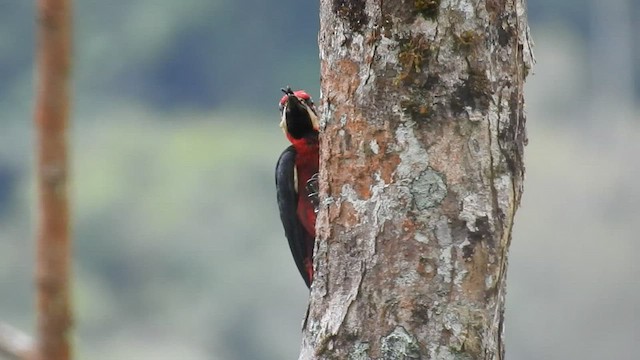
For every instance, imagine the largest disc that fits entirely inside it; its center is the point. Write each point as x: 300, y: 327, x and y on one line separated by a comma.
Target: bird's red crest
x: 301, y: 94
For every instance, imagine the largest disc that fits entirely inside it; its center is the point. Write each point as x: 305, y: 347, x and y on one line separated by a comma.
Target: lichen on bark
x: 421, y: 173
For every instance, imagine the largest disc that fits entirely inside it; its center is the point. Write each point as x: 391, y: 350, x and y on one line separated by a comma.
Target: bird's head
x: 298, y: 114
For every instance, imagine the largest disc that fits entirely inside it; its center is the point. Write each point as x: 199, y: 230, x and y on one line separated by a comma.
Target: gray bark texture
x: 422, y: 137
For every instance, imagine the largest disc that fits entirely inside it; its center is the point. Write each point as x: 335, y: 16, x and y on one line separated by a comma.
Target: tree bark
x: 422, y: 139
x: 53, y: 234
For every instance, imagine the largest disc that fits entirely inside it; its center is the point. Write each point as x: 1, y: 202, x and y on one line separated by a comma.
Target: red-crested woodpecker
x: 296, y: 178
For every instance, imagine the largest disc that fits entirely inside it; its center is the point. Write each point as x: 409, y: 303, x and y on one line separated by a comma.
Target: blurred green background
x: 179, y: 249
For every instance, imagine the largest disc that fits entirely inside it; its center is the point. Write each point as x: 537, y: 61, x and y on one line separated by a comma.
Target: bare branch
x: 15, y: 343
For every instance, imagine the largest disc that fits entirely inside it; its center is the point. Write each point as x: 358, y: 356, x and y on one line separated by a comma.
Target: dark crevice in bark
x: 352, y: 11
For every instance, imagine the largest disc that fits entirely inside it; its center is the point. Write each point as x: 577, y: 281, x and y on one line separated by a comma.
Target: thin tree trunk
x: 53, y: 234
x: 421, y: 175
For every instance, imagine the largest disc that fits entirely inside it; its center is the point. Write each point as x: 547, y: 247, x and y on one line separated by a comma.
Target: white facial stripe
x: 283, y: 119
x: 314, y: 118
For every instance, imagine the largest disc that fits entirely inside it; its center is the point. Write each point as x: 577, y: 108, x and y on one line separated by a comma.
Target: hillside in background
x: 207, y: 54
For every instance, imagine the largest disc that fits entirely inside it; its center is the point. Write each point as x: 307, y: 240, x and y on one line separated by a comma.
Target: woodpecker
x: 296, y: 178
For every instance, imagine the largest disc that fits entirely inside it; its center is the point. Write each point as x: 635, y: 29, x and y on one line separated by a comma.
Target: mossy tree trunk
x: 421, y: 174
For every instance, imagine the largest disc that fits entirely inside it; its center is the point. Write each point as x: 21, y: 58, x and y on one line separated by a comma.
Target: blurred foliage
x: 179, y: 250
x: 168, y: 54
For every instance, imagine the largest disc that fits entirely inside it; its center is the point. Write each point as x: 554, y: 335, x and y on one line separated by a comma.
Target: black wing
x: 288, y: 206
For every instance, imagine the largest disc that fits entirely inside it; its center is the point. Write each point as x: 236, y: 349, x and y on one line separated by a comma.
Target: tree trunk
x: 421, y: 173
x: 53, y: 238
